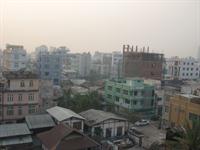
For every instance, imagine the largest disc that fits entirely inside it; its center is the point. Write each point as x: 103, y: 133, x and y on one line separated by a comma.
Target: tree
x: 191, y: 135
x: 189, y: 139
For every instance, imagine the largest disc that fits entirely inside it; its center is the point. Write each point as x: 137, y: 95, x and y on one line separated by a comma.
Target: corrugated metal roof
x: 94, y: 116
x: 9, y: 130
x: 16, y: 140
x: 39, y: 121
x: 60, y: 113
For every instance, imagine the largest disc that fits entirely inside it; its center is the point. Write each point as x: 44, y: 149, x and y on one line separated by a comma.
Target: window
x: 188, y: 63
x: 183, y: 68
x: 77, y: 125
x: 22, y: 84
x: 152, y: 102
x: 10, y: 98
x: 197, y: 74
x: 31, y: 83
x: 193, y: 116
x: 46, y: 73
x: 166, y: 109
x: 197, y: 69
x: 192, y: 64
x: 186, y: 74
x: 31, y: 109
x: 31, y: 97
x: 46, y: 66
x: 153, y: 93
x: 119, y: 131
x: 187, y: 69
x: 0, y: 110
x: 117, y: 99
x: 134, y: 102
x: 135, y: 93
x: 127, y: 101
x: 10, y: 110
x: 110, y: 88
x: 109, y: 96
x: 191, y: 69
x: 19, y: 110
x: 0, y: 98
x: 108, y: 132
x: 118, y: 90
x: 20, y: 97
x: 98, y: 131
x: 191, y: 74
x: 183, y: 74
x: 125, y: 92
x: 16, y: 65
x: 183, y: 63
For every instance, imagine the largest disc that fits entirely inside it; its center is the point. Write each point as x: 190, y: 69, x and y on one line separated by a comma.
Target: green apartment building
x: 131, y: 94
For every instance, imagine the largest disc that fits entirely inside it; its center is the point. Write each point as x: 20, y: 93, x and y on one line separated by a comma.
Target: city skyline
x: 169, y: 27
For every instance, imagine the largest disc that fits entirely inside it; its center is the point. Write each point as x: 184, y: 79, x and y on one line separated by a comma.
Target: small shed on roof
x: 14, y: 134
x: 94, y: 116
x: 61, y: 114
x: 39, y: 121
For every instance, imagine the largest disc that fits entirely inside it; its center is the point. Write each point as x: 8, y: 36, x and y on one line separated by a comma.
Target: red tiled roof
x: 59, y: 137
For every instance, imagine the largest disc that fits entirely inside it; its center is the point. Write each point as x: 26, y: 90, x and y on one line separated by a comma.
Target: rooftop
x: 189, y: 96
x: 94, y: 116
x: 59, y: 138
x: 10, y: 130
x: 39, y: 121
x: 61, y: 114
x: 21, y: 74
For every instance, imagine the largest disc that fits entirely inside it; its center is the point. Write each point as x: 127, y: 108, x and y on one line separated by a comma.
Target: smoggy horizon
x: 166, y: 26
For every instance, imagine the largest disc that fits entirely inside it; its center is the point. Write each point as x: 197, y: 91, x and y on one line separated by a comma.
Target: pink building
x: 19, y: 95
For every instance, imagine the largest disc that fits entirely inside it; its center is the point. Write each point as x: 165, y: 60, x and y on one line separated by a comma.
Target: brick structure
x: 141, y: 63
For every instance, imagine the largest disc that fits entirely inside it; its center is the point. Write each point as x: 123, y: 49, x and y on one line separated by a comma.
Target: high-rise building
x: 101, y: 63
x: 116, y: 65
x: 50, y: 63
x: 14, y: 57
x: 84, y: 64
x: 142, y: 63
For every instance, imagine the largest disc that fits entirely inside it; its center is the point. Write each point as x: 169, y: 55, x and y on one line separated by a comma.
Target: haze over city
x: 169, y: 27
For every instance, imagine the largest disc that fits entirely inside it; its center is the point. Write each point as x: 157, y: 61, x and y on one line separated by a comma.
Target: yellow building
x: 183, y: 108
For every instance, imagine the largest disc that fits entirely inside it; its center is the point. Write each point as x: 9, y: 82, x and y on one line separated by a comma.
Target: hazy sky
x: 168, y: 26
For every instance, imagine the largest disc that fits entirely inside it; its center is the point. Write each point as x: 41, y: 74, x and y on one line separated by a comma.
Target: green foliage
x: 191, y: 136
x: 79, y: 103
x: 189, y: 139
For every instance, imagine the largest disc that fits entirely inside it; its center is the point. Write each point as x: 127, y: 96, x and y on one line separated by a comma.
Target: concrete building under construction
x: 142, y: 63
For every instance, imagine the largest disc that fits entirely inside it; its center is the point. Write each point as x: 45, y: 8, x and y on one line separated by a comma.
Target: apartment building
x: 85, y: 61
x: 182, y: 68
x: 101, y: 63
x: 133, y: 95
x: 141, y: 63
x: 14, y: 57
x: 19, y: 95
x: 182, y: 108
x: 116, y: 64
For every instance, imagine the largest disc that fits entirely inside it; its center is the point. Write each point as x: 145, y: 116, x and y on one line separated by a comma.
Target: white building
x: 104, y: 124
x: 101, y: 63
x: 182, y: 68
x: 116, y: 64
x: 67, y: 116
x: 14, y: 57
